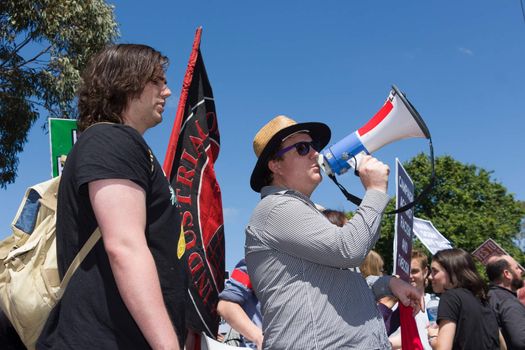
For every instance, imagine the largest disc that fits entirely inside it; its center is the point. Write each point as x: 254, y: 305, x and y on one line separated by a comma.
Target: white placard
x: 430, y: 236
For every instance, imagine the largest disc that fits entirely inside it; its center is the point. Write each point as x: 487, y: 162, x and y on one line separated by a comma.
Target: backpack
x: 30, y: 285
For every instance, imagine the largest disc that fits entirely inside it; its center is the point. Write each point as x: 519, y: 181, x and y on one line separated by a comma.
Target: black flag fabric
x: 189, y: 165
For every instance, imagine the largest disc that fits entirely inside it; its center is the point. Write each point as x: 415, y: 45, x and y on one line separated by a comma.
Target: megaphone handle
x: 360, y: 155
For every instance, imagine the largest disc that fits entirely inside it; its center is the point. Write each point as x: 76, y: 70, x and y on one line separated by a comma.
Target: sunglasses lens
x: 303, y: 148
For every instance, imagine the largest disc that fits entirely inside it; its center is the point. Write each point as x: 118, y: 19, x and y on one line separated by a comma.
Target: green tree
x: 44, y: 44
x: 520, y: 236
x: 465, y: 205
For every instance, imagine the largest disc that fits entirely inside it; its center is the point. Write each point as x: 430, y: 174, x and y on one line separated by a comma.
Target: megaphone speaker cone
x: 396, y: 120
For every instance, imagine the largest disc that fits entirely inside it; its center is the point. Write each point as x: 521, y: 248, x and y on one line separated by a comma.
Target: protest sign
x: 62, y: 136
x: 403, y: 252
x: 431, y: 238
x: 490, y: 248
x: 404, y: 222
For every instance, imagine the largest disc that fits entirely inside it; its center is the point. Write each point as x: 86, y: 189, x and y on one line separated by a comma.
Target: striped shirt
x: 299, y: 267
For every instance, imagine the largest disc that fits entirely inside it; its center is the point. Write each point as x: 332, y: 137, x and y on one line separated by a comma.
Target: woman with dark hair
x: 465, y: 318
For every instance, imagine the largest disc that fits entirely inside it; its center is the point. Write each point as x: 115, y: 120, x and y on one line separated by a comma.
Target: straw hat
x: 270, y: 137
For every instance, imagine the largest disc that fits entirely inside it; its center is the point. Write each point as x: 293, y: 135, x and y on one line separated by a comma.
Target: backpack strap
x: 84, y: 251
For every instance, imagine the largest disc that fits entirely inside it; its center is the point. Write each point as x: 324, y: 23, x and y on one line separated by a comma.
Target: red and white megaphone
x: 396, y: 120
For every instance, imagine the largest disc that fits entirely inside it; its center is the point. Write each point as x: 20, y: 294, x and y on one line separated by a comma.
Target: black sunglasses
x: 303, y: 148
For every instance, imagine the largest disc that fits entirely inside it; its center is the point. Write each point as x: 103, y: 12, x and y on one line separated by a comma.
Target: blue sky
x: 460, y: 63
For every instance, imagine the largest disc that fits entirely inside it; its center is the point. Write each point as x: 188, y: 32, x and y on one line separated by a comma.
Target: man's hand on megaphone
x: 373, y: 173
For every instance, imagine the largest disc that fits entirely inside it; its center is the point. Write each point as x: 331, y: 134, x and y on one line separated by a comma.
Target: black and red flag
x: 189, y: 165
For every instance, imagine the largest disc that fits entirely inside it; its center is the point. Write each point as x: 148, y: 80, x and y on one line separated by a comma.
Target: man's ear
x: 274, y: 166
x: 507, y: 274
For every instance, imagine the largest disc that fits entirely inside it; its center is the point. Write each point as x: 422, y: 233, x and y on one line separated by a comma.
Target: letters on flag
x: 189, y: 165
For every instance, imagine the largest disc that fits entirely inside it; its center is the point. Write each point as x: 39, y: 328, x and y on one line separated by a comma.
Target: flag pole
x: 179, y: 116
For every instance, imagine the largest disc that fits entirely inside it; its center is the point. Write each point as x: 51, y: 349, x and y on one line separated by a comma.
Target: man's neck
x: 503, y: 285
x: 136, y: 127
x: 284, y: 185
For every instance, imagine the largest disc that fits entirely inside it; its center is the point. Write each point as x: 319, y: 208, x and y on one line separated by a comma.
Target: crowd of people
x: 309, y: 279
x: 471, y: 314
x: 302, y: 266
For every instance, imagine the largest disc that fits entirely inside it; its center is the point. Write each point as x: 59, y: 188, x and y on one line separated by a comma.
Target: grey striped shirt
x: 298, y: 264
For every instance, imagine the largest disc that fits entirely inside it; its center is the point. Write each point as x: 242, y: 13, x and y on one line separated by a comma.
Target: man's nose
x: 166, y: 92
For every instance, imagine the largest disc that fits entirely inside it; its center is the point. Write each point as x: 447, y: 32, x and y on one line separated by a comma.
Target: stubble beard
x: 516, y: 282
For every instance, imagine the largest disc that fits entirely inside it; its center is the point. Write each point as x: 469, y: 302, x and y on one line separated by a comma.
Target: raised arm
x: 291, y: 219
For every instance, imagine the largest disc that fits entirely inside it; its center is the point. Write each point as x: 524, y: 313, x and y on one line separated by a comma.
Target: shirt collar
x: 494, y: 286
x: 268, y: 190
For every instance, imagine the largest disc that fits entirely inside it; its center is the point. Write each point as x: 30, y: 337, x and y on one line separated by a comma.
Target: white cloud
x: 466, y: 51
x: 230, y: 214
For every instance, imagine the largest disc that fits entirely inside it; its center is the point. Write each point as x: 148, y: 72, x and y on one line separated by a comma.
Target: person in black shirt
x: 129, y: 292
x: 506, y: 277
x: 465, y: 318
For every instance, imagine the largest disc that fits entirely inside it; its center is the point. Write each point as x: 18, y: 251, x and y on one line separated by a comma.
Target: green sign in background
x: 62, y: 136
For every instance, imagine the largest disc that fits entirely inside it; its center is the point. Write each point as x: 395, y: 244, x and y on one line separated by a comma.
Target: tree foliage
x: 44, y: 44
x: 466, y: 205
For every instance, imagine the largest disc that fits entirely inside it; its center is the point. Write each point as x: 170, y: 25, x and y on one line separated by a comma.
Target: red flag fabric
x: 189, y: 165
x: 409, y: 334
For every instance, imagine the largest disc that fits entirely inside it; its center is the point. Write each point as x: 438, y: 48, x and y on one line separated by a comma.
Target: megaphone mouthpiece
x: 341, y: 156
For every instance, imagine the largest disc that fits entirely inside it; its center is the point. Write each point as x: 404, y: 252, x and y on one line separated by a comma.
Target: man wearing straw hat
x: 299, y: 262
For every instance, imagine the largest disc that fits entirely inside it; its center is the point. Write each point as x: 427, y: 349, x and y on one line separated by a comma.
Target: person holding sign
x: 418, y: 278
x: 299, y: 261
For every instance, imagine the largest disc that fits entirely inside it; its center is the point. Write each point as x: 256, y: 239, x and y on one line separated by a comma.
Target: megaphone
x: 396, y: 120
